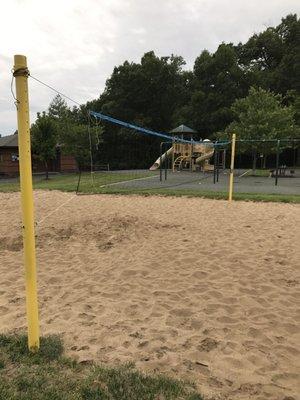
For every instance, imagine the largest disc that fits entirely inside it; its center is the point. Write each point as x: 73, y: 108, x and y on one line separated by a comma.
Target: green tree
x: 148, y: 94
x: 262, y: 116
x: 58, y: 108
x: 82, y: 142
x: 59, y: 111
x: 44, y: 139
x: 218, y: 81
x: 273, y: 56
x: 75, y: 132
x: 292, y: 99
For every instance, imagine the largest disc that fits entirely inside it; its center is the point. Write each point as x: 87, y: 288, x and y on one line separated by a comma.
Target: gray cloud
x: 74, y: 45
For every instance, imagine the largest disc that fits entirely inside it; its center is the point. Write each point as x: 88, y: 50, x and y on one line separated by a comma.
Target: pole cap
x: 20, y: 67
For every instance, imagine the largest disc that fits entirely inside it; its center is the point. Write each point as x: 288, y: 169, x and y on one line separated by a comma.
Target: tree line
x: 252, y: 89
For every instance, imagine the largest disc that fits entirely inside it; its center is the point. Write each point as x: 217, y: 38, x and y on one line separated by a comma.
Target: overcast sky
x: 74, y: 44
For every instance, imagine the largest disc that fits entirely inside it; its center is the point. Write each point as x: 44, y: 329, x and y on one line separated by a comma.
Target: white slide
x: 167, y: 154
x: 204, y: 157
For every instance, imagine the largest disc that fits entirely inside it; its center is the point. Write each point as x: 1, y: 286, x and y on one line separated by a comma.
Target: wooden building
x: 9, y: 159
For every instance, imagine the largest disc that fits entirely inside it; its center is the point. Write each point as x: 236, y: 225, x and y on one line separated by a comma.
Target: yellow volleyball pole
x: 21, y: 74
x: 231, y: 166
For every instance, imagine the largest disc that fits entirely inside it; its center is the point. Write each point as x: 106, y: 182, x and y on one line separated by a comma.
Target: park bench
x: 283, y: 172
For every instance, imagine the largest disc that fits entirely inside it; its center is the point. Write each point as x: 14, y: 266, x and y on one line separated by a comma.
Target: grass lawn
x: 68, y: 183
x: 261, y: 172
x: 49, y: 375
x: 282, y: 198
x: 258, y: 172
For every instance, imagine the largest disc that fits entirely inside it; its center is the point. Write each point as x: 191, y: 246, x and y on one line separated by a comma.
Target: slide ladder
x: 178, y: 162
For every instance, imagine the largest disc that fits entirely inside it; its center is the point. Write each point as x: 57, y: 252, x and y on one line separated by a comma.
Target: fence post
x: 218, y: 164
x: 231, y: 166
x: 160, y: 161
x: 21, y: 74
x: 166, y: 165
x: 277, y: 162
x: 215, y: 161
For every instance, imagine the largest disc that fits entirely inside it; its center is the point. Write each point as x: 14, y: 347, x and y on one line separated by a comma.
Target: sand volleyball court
x: 198, y: 289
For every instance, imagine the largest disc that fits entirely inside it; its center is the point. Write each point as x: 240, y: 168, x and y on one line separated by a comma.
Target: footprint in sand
x: 211, y: 308
x: 250, y: 389
x: 200, y: 274
x: 128, y: 273
x: 228, y: 320
x: 196, y: 324
x: 143, y: 344
x: 286, y: 379
x: 85, y: 347
x: 86, y: 317
x: 53, y: 280
x: 215, y: 294
x: 17, y: 300
x: 181, y: 312
x: 230, y: 300
x: 233, y: 362
x: 207, y: 344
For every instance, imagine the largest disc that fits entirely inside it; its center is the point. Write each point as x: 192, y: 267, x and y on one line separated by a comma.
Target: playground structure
x: 188, y: 156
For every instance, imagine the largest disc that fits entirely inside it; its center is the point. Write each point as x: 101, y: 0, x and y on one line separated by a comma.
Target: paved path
x: 204, y: 181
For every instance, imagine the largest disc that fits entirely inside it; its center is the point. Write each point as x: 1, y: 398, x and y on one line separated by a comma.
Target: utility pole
x: 232, y: 166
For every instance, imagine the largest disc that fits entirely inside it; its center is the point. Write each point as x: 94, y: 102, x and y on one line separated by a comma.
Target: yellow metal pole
x: 231, y: 166
x: 21, y: 73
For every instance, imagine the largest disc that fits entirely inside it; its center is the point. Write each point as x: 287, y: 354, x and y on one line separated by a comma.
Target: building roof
x: 9, y: 141
x: 182, y: 129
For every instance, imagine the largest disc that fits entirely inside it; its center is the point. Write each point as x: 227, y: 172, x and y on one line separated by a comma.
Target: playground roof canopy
x: 182, y: 129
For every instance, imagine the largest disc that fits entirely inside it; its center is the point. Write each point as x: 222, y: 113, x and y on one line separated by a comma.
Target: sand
x: 198, y: 289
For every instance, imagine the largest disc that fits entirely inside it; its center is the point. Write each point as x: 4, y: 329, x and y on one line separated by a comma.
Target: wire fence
x: 162, y: 169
